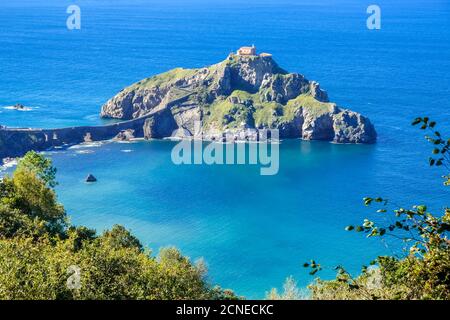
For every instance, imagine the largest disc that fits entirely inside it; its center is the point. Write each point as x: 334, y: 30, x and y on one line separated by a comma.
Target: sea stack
x: 91, y: 178
x: 19, y: 106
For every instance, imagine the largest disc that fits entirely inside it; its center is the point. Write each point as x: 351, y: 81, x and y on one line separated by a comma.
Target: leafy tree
x: 28, y: 202
x: 41, y: 166
x: 217, y: 293
x: 174, y: 281
x: 119, y: 237
x: 425, y: 272
x: 32, y: 269
x: 38, y: 248
x: 290, y: 292
x: 441, y: 146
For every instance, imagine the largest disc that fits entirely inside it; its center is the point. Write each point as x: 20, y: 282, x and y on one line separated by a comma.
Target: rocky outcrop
x: 125, y: 135
x: 240, y: 98
x: 90, y: 178
x: 238, y: 94
x: 161, y: 125
x: 349, y: 124
x: 19, y: 106
x: 15, y: 142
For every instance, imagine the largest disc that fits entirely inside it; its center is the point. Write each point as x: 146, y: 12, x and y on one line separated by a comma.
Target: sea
x: 252, y: 231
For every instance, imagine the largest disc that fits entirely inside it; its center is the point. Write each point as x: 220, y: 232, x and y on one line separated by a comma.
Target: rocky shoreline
x: 239, y: 96
x: 237, y: 99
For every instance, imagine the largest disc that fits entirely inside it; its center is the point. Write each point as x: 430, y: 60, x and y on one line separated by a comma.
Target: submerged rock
x: 91, y: 178
x: 19, y: 106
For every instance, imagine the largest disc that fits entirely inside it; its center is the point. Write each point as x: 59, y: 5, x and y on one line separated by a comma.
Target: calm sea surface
x: 253, y: 231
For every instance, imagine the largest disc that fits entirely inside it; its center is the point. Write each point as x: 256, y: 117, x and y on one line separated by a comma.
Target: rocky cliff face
x: 239, y: 96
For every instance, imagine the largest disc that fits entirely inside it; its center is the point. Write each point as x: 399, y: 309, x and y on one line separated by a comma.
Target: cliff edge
x: 242, y: 94
x: 238, y: 97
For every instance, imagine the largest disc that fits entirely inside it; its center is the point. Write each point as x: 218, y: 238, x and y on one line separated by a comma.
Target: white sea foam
x: 16, y: 109
x: 91, y: 117
x: 49, y: 153
x: 126, y: 151
x: 128, y: 141
x: 84, y: 151
x: 86, y: 145
x: 8, y: 163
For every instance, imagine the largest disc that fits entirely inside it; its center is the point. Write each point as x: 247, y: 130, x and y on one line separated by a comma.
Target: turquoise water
x: 252, y: 230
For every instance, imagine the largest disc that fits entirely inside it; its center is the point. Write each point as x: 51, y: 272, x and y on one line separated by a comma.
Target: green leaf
x: 367, y: 224
x: 416, y: 121
x: 353, y: 286
x: 367, y: 201
x: 421, y: 209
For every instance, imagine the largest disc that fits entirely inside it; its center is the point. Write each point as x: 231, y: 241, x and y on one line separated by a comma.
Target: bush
x: 42, y: 257
x: 424, y: 273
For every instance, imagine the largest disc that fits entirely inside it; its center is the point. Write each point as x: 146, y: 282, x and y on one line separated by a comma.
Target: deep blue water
x: 252, y: 230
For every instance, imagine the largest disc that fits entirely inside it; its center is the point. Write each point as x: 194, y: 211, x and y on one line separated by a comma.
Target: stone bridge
x: 15, y: 142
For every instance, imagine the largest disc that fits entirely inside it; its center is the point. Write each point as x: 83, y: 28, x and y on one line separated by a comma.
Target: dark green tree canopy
x: 38, y: 248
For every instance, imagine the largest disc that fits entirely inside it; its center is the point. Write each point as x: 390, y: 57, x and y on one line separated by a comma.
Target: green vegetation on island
x: 241, y: 95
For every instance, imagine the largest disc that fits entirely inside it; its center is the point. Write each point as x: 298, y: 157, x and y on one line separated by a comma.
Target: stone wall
x: 15, y: 142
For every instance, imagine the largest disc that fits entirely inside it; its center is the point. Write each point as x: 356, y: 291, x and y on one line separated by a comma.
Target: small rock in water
x: 125, y: 135
x: 91, y: 178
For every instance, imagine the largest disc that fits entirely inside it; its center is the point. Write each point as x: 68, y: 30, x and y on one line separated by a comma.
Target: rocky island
x: 239, y: 96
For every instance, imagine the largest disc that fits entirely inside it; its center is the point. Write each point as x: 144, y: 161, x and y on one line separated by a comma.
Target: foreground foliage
x: 290, y: 291
x: 43, y: 257
x: 424, y: 273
